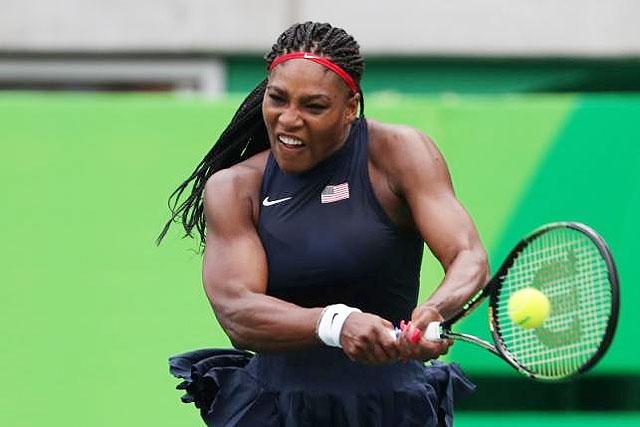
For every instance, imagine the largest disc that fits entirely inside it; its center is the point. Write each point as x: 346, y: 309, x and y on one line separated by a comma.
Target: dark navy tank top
x: 329, y: 241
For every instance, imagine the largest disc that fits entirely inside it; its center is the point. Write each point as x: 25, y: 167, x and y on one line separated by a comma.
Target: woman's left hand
x: 413, y: 344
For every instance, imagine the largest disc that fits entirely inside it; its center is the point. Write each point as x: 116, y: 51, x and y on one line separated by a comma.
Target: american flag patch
x: 333, y: 193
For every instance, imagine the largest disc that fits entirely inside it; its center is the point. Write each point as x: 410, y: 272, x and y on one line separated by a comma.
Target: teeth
x: 290, y: 141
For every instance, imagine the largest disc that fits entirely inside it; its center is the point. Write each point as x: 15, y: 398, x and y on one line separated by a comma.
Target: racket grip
x: 433, y: 332
x: 395, y: 333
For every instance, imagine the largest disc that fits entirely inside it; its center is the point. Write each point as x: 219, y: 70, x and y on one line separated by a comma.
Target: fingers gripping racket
x: 571, y: 264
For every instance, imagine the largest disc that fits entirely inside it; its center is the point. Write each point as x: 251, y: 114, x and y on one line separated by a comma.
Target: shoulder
x: 239, y: 178
x: 404, y: 154
x: 235, y: 190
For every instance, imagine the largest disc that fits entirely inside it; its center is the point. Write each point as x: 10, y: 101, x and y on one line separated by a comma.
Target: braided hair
x: 246, y: 134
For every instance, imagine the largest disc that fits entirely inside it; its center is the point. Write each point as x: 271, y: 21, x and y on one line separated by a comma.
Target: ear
x: 351, y: 113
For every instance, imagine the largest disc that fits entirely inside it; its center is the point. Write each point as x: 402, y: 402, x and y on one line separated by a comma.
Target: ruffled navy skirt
x: 316, y: 387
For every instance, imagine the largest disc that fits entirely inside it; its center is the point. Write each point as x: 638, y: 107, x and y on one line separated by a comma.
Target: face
x: 308, y: 112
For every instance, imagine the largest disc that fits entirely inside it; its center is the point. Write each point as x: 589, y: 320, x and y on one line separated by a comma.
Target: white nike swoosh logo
x: 267, y: 202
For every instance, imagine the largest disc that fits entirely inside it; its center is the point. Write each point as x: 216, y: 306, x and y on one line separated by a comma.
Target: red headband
x: 320, y: 60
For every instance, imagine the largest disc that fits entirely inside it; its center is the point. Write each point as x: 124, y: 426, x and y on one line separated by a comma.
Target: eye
x: 317, y: 108
x: 276, y: 99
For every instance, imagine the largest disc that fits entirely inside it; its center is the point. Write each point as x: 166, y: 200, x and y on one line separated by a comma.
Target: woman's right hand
x: 368, y: 338
x: 412, y: 342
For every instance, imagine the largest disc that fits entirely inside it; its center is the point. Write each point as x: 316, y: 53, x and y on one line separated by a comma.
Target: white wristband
x: 331, y: 321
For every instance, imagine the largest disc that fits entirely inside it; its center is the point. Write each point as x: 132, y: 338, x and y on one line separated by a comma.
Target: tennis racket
x: 571, y: 264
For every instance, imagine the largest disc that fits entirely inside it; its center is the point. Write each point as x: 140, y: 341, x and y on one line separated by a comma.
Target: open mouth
x: 291, y: 143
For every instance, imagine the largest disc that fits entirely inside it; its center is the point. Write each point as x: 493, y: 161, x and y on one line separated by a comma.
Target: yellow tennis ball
x: 528, y: 308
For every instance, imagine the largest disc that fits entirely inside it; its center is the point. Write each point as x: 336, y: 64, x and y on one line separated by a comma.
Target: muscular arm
x: 235, y: 274
x: 421, y: 177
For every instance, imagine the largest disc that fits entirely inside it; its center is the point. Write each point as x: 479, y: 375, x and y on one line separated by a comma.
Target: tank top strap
x: 269, y: 170
x: 361, y: 167
x: 361, y: 141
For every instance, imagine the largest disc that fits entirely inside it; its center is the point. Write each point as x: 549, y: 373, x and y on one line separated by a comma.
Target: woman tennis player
x: 313, y: 219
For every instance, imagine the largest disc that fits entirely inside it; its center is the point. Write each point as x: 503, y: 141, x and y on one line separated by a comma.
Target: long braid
x: 246, y: 134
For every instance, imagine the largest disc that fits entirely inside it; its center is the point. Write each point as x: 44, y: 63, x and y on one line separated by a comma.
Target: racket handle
x: 433, y: 332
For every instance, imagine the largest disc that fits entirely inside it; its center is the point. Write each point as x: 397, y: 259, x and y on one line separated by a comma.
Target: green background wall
x: 90, y: 308
x: 420, y: 75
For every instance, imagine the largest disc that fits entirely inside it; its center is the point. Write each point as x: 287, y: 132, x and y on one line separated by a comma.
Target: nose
x: 290, y: 118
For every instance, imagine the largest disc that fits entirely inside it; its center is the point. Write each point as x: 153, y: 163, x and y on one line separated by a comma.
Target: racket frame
x: 491, y: 289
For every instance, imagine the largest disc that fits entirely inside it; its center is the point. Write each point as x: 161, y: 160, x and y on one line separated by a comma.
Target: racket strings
x: 567, y: 322
x: 567, y: 266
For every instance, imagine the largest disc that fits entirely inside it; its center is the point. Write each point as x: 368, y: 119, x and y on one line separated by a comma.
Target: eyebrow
x: 305, y: 98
